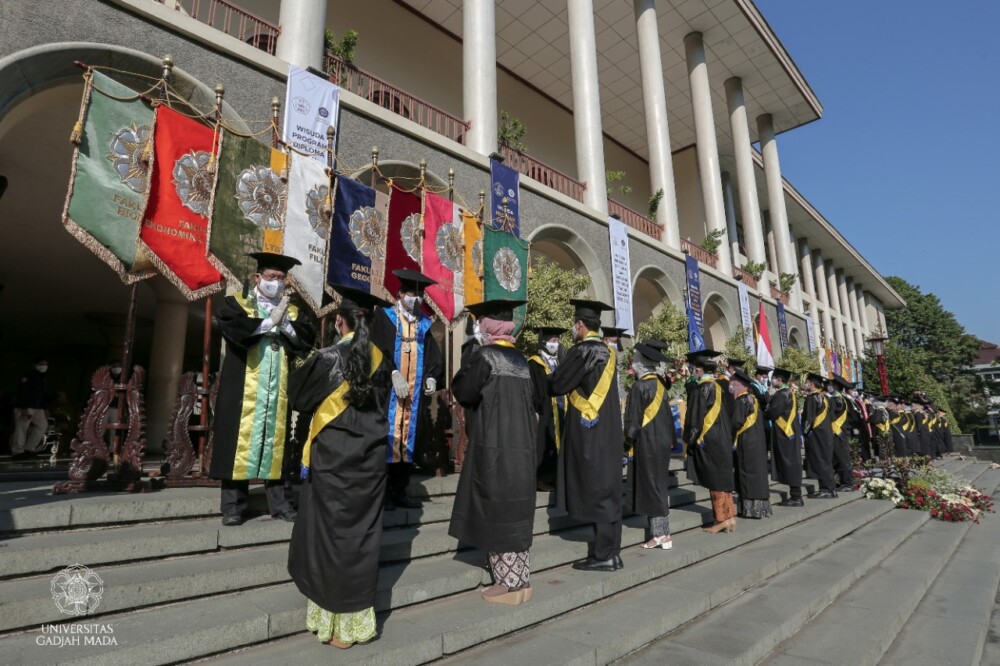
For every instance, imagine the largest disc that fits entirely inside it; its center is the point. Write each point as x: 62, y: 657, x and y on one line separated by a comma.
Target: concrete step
x: 452, y: 625
x: 216, y: 623
x: 27, y: 602
x: 859, y: 627
x: 952, y: 622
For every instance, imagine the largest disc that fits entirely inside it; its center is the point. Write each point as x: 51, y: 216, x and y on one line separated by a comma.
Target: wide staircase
x: 842, y: 581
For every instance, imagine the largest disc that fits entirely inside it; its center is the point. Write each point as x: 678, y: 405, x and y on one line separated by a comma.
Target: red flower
x: 934, y: 512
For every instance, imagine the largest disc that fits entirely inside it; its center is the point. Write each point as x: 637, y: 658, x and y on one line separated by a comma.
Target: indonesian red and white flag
x: 764, y: 355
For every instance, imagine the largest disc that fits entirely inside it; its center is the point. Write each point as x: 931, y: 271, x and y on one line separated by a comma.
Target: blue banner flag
x: 696, y: 326
x: 354, y: 235
x: 782, y: 325
x: 505, y: 184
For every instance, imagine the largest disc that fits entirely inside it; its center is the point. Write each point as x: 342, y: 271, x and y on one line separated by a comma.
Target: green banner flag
x: 108, y: 185
x: 247, y: 207
x: 505, y: 270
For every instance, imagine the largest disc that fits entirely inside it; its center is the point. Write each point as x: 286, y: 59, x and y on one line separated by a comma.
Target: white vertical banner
x: 311, y: 105
x: 621, y: 273
x: 746, y: 319
x: 811, y: 333
x: 307, y: 227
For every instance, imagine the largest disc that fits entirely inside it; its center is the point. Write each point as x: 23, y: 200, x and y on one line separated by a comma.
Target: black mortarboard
x: 615, y: 332
x: 357, y: 300
x: 817, y: 380
x: 501, y: 310
x: 584, y: 309
x: 411, y: 280
x: 546, y: 332
x: 650, y: 353
x: 780, y: 373
x: 735, y: 363
x: 658, y: 345
x: 743, y: 377
x: 273, y: 261
x: 763, y: 369
x: 841, y: 382
x: 703, y: 358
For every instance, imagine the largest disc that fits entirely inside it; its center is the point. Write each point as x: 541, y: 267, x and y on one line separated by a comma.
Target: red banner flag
x: 443, y: 255
x: 404, y: 240
x: 175, y: 226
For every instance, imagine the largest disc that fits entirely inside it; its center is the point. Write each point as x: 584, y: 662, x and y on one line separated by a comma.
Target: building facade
x: 683, y: 101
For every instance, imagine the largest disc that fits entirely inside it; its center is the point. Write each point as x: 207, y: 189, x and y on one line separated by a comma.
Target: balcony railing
x: 388, y: 96
x: 543, y: 173
x: 748, y: 279
x: 230, y: 19
x: 700, y: 253
x: 779, y: 295
x: 635, y: 219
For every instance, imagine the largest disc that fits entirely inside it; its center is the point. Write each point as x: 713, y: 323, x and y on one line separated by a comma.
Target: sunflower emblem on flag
x: 128, y: 156
x: 261, y: 196
x: 449, y: 247
x: 409, y: 233
x: 506, y: 269
x: 193, y: 181
x: 319, y: 219
x: 368, y: 231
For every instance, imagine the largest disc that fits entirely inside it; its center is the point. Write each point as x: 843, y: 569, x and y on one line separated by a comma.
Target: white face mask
x: 639, y: 369
x: 116, y: 370
x: 776, y: 383
x: 411, y: 303
x: 271, y: 288
x: 552, y: 347
x: 476, y: 332
x: 41, y: 367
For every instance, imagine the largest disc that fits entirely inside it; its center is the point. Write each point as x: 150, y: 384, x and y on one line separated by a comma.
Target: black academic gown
x: 551, y: 420
x: 786, y: 451
x: 840, y: 419
x: 751, y: 449
x: 708, y: 433
x: 897, y: 425
x: 238, y: 328
x: 923, y: 434
x: 936, y: 436
x: 333, y: 556
x: 495, y: 500
x: 946, y: 435
x: 589, y: 485
x: 881, y: 429
x: 816, y: 415
x: 649, y: 431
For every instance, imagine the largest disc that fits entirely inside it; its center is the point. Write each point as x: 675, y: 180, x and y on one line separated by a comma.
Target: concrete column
x: 587, y: 103
x: 302, y: 23
x: 772, y: 252
x: 746, y: 183
x: 824, y: 298
x: 809, y: 282
x: 831, y: 288
x: 845, y: 311
x: 166, y: 362
x: 775, y: 193
x: 727, y: 199
x: 863, y: 310
x: 852, y: 300
x: 479, y: 74
x: 796, y: 295
x: 654, y: 99
x: 707, y: 144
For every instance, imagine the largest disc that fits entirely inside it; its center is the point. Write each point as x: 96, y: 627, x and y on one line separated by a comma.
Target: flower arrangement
x: 876, y: 488
x: 917, y: 485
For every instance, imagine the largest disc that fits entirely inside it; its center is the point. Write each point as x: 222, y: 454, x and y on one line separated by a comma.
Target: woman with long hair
x: 334, y: 552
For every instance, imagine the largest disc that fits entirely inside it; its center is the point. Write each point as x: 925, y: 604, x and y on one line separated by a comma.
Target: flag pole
x: 331, y: 135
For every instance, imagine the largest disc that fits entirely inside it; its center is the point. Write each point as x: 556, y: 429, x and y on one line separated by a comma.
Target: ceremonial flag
x: 312, y: 104
x: 444, y: 256
x: 473, y: 274
x: 829, y: 362
x: 175, y: 225
x: 109, y: 181
x: 696, y: 327
x: 248, y: 206
x: 824, y: 364
x: 621, y: 273
x: 404, y: 237
x: 745, y: 317
x: 357, y: 238
x: 782, y: 325
x: 835, y: 362
x: 504, y: 184
x: 765, y: 355
x: 811, y: 333
x: 505, y: 266
x: 307, y: 227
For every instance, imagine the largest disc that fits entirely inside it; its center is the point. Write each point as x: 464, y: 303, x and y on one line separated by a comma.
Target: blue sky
x: 906, y: 159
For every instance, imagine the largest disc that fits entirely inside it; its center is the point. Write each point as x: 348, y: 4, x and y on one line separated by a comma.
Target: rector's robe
x: 751, y: 448
x: 495, y: 500
x: 649, y: 432
x: 709, y: 436
x: 589, y: 485
x: 819, y: 439
x: 786, y: 449
x: 252, y: 417
x: 334, y: 551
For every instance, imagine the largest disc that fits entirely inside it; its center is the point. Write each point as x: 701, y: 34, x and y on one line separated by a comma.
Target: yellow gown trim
x: 653, y: 408
x: 589, y: 407
x: 838, y: 423
x: 555, y: 401
x: 749, y: 423
x: 787, y: 426
x: 821, y: 417
x: 713, y: 413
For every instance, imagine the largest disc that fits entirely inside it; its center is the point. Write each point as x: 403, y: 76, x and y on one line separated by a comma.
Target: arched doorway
x: 651, y: 289
x: 566, y: 249
x: 794, y: 338
x: 718, y: 318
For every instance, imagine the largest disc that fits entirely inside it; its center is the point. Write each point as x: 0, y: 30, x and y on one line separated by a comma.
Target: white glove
x: 278, y: 313
x: 430, y: 386
x: 400, y: 386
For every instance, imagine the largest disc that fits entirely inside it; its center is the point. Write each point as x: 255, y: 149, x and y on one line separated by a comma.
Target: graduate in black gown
x: 879, y: 423
x: 589, y: 485
x: 752, y: 481
x: 649, y: 434
x: 786, y: 436
x: 552, y: 420
x: 921, y: 429
x: 840, y: 414
x: 897, y: 425
x: 709, y: 436
x: 816, y: 415
x: 334, y: 551
x: 495, y: 500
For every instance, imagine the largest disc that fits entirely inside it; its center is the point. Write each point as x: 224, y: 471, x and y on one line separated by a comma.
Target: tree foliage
x: 798, y: 361
x: 668, y: 325
x: 549, y: 291
x: 736, y: 348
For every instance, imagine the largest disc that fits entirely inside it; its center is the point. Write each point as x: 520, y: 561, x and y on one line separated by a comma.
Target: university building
x: 684, y: 102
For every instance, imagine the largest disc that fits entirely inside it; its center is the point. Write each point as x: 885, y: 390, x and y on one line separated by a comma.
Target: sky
x: 905, y: 161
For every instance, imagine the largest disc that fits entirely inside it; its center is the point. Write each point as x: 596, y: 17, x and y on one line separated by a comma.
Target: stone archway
x: 794, y: 337
x: 570, y: 251
x: 719, y: 320
x: 650, y: 289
